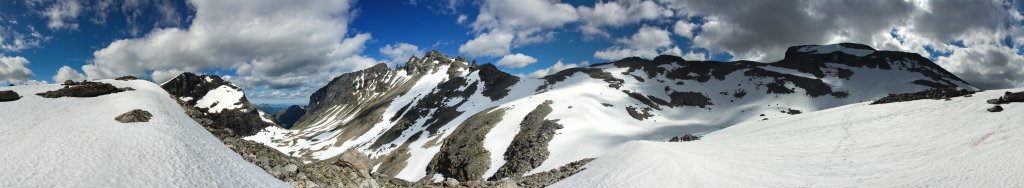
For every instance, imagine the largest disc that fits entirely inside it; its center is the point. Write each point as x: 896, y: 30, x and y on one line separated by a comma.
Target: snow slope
x: 925, y: 143
x: 402, y: 117
x: 75, y: 142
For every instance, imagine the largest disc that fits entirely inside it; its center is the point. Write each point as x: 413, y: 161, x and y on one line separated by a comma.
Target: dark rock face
x: 1008, y: 97
x: 126, y: 78
x: 496, y: 82
x: 996, y: 108
x: 684, y: 138
x: 133, y: 116
x: 287, y: 117
x: 934, y: 93
x: 244, y: 121
x: 639, y: 113
x: 462, y: 154
x: 83, y: 89
x: 529, y: 148
x: 8, y: 96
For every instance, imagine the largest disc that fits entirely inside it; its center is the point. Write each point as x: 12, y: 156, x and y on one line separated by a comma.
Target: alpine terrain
x: 440, y: 118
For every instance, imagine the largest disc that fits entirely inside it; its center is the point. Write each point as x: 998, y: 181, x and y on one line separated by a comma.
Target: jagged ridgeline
x: 217, y: 103
x: 439, y: 117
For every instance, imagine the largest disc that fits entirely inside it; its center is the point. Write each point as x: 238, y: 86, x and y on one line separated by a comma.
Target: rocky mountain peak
x: 219, y: 102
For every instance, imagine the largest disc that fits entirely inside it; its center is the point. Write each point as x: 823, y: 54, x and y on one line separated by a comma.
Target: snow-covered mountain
x: 923, y: 143
x: 440, y: 117
x: 223, y: 105
x: 76, y: 142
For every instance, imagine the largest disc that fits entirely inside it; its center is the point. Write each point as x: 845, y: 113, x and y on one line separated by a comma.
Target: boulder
x: 83, y: 89
x: 126, y: 78
x: 357, y: 161
x: 1008, y: 97
x: 8, y: 96
x: 996, y: 108
x: 684, y: 138
x: 133, y: 116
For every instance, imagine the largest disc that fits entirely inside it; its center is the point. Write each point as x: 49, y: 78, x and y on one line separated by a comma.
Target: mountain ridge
x: 402, y: 117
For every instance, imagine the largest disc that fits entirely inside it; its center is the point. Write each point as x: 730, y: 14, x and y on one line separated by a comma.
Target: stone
x: 133, y: 116
x: 996, y: 108
x: 83, y: 89
x: 368, y: 183
x: 356, y: 160
x: 290, y: 169
x: 8, y: 96
x: 126, y: 78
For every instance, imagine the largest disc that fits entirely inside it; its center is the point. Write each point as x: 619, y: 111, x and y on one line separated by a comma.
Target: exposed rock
x: 684, y: 138
x: 463, y: 156
x: 83, y: 89
x: 792, y: 111
x: 1008, y: 97
x: 496, y: 82
x: 133, y: 116
x: 639, y: 113
x: 244, y: 120
x: 8, y: 96
x: 529, y: 148
x: 933, y: 93
x: 126, y: 78
x: 358, y: 161
x: 996, y: 108
x: 287, y: 117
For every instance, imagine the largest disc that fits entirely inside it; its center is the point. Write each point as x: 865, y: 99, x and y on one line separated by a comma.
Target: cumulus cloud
x: 503, y: 23
x: 648, y: 42
x: 272, y: 44
x: 619, y: 13
x: 488, y: 44
x: 684, y: 28
x: 62, y: 15
x: 516, y: 60
x: 931, y: 28
x: 558, y: 66
x: 1002, y: 67
x: 399, y: 52
x: 13, y: 40
x: 67, y: 73
x: 13, y: 70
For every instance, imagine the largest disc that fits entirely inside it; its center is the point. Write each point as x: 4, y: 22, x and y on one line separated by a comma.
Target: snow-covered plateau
x: 75, y: 142
x: 923, y: 143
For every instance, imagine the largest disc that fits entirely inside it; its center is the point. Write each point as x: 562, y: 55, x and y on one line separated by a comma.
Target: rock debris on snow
x: 133, y: 116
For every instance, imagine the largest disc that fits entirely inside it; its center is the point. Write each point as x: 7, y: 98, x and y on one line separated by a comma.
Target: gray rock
x: 8, y: 96
x: 83, y: 89
x: 133, y: 116
x: 368, y: 183
x: 290, y: 168
x: 996, y: 108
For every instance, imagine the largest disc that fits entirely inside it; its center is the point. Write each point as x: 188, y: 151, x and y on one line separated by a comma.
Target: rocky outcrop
x: 529, y: 148
x: 1008, y: 97
x: 934, y: 93
x: 9, y: 96
x: 463, y: 155
x: 126, y: 78
x: 684, y: 138
x: 287, y: 117
x: 242, y: 117
x: 496, y: 82
x: 133, y: 116
x: 83, y: 89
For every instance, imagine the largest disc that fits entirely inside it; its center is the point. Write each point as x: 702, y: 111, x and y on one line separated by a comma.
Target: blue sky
x: 281, y: 51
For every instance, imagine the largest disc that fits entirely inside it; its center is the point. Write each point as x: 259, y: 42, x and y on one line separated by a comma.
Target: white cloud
x: 502, y: 23
x: 399, y: 52
x: 648, y: 42
x: 277, y: 44
x: 488, y: 44
x: 63, y: 15
x: 684, y: 28
x: 516, y: 60
x: 13, y: 70
x: 558, y: 66
x: 619, y: 13
x: 12, y: 40
x: 987, y: 66
x: 461, y: 19
x: 67, y: 73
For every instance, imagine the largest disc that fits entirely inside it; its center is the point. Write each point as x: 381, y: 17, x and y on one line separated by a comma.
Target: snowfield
x: 75, y: 142
x: 925, y: 143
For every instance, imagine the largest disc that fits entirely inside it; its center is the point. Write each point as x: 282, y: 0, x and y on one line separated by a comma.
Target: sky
x: 281, y: 51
